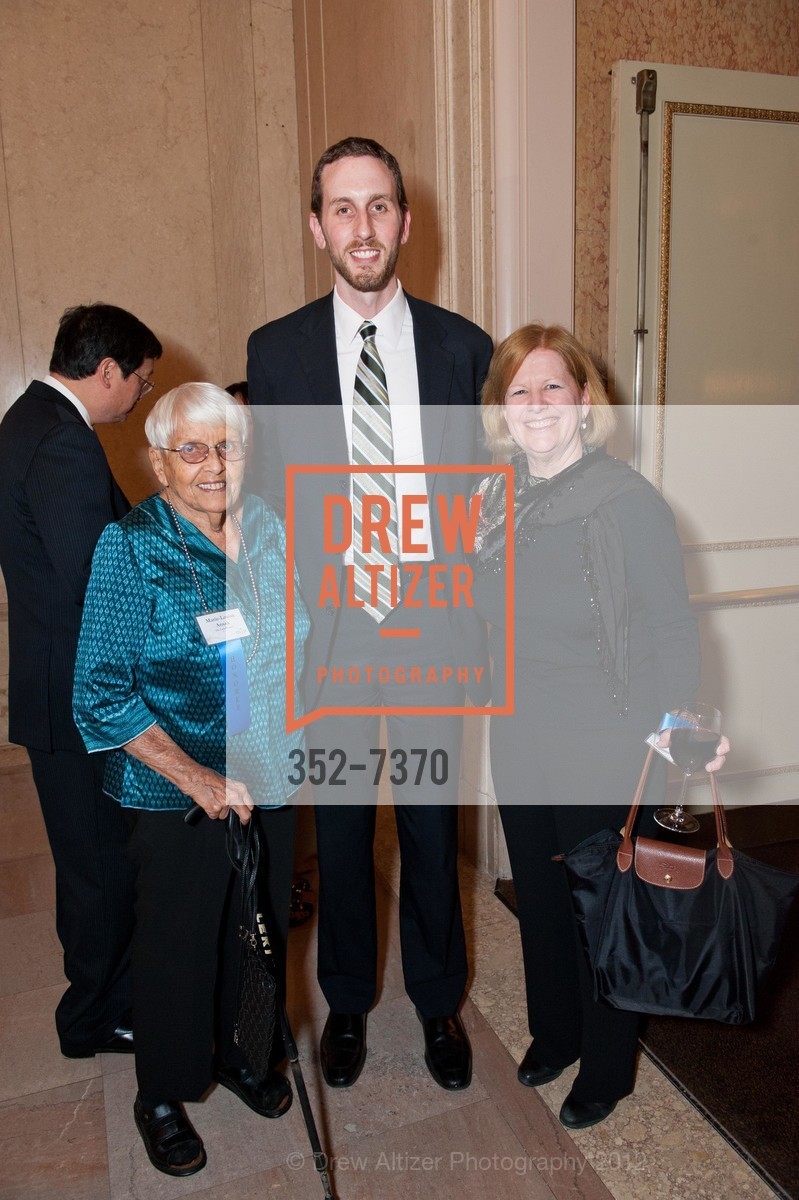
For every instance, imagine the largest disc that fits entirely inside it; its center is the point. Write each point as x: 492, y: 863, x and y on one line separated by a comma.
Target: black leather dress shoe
x: 581, y: 1114
x: 270, y: 1097
x: 343, y: 1048
x: 447, y: 1052
x: 120, y: 1042
x: 169, y: 1138
x: 533, y: 1073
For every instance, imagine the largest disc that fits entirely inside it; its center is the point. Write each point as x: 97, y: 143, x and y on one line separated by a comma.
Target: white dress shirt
x: 394, y: 341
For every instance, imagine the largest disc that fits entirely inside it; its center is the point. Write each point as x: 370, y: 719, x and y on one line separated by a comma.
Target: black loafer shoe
x: 343, y: 1048
x: 581, y: 1114
x: 270, y: 1097
x: 447, y: 1053
x: 532, y: 1073
x: 169, y: 1138
x: 120, y: 1042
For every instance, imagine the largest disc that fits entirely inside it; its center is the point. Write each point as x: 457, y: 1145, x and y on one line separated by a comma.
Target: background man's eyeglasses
x: 147, y: 385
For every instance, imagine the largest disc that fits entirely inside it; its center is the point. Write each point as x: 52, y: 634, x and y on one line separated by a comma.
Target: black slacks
x: 564, y: 743
x: 94, y: 893
x: 431, y: 923
x: 186, y: 945
x: 564, y: 1019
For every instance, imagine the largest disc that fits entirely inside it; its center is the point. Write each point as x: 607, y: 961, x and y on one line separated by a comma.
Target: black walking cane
x: 319, y: 1156
x: 260, y: 996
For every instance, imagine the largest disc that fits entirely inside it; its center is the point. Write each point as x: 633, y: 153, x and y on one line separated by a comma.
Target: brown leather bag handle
x: 724, y: 859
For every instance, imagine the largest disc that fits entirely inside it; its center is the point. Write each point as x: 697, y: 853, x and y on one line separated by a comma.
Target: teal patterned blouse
x: 142, y: 659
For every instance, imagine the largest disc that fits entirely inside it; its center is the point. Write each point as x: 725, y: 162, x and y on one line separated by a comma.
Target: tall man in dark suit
x: 380, y: 373
x: 57, y: 495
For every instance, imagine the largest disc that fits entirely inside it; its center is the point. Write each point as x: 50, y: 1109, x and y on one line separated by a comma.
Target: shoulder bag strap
x: 724, y: 858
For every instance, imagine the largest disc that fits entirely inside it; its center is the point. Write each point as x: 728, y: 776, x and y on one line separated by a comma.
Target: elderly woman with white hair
x: 181, y: 674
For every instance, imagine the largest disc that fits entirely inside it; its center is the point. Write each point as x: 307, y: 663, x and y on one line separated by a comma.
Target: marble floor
x: 66, y: 1129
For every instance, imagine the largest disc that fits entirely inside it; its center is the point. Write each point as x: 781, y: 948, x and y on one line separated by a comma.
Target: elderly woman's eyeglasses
x: 197, y: 452
x: 147, y: 385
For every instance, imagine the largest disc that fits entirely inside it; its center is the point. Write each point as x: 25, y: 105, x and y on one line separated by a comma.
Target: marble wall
x: 142, y: 146
x: 148, y: 158
x: 742, y: 35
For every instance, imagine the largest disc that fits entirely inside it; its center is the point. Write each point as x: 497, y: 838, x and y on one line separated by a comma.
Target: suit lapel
x: 315, y: 347
x: 434, y: 367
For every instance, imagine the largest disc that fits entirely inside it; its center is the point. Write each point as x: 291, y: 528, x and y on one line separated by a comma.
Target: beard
x: 366, y: 279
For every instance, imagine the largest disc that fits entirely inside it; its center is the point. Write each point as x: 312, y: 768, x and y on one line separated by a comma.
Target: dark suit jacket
x: 292, y: 362
x: 57, y: 494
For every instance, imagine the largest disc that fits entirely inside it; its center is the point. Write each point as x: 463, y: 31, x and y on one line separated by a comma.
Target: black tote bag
x: 674, y: 930
x: 260, y: 999
x: 258, y: 985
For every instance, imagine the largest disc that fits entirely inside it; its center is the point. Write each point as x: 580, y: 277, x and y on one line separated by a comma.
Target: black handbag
x: 675, y: 930
x: 258, y: 988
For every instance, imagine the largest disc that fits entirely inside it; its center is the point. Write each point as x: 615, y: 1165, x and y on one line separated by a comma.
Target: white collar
x: 389, y: 320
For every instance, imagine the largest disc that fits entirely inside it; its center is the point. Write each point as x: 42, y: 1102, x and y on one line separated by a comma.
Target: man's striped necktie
x: 373, y: 446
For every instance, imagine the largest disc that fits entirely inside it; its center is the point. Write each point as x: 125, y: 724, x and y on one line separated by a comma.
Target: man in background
x: 57, y: 494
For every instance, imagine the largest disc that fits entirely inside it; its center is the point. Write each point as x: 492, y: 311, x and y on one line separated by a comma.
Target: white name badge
x: 227, y: 625
x: 663, y: 751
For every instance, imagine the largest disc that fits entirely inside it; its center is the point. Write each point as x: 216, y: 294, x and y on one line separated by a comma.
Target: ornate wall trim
x: 463, y: 106
x: 759, y: 544
x: 534, y: 188
x: 745, y: 598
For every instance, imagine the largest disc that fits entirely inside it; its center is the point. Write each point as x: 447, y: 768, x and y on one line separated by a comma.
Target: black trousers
x: 565, y: 742
x: 94, y: 893
x: 431, y: 923
x: 186, y: 946
x: 564, y: 1019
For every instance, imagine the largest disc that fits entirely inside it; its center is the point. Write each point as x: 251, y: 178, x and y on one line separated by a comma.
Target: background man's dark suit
x: 293, y: 361
x: 58, y: 494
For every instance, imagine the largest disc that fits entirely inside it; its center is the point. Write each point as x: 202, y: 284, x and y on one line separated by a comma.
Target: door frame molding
x: 534, y: 190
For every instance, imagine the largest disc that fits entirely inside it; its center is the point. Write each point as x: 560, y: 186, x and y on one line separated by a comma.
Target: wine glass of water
x: 695, y: 734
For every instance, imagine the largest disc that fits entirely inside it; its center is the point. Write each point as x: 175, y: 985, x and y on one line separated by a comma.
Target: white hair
x: 196, y: 403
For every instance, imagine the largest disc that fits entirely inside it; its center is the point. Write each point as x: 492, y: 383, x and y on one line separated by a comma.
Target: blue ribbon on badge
x: 237, y: 687
x: 672, y: 721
